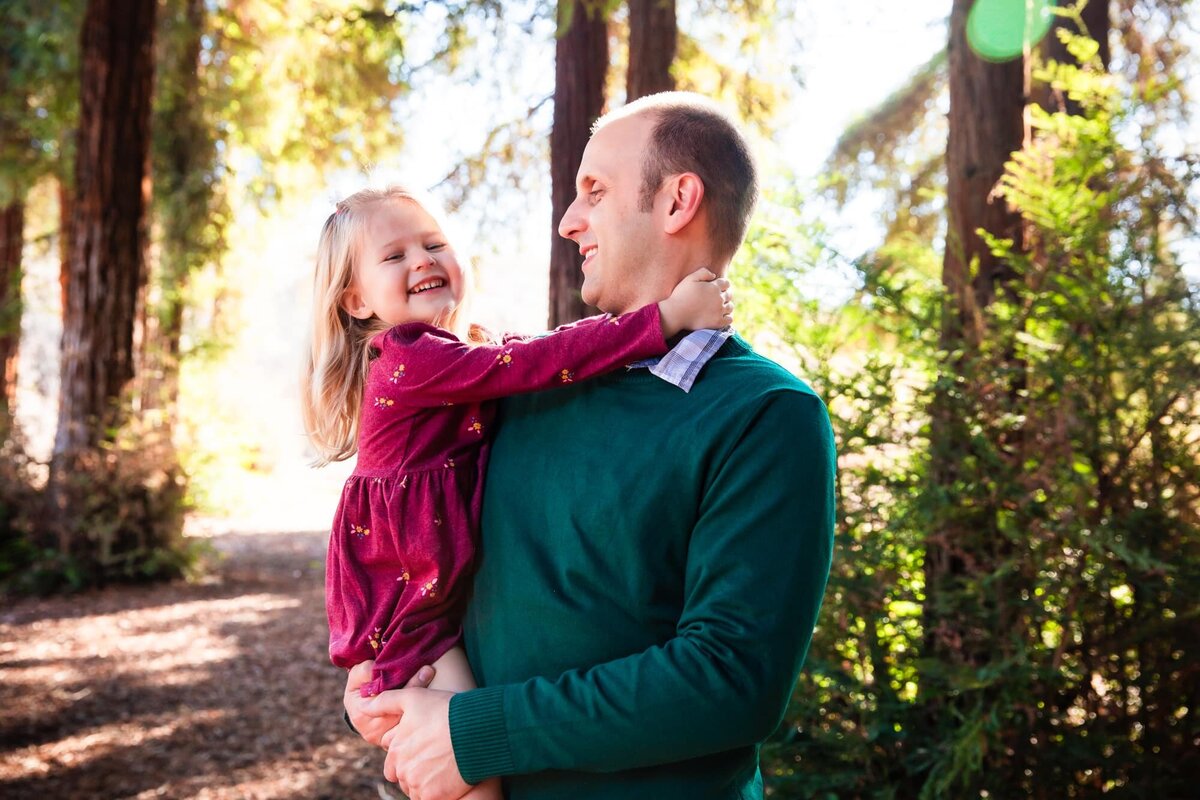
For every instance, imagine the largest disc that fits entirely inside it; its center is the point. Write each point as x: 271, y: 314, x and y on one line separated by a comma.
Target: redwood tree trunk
x: 106, y: 258
x: 66, y: 212
x: 652, y: 40
x: 581, y: 62
x: 184, y: 158
x: 12, y: 238
x: 986, y: 127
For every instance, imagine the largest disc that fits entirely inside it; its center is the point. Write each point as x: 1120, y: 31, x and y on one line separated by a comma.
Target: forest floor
x: 219, y: 688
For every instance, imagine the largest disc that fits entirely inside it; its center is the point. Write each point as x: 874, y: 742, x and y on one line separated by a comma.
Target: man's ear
x: 353, y: 304
x: 684, y: 193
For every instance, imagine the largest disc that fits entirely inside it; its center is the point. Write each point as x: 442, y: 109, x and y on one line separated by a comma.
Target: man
x: 655, y: 543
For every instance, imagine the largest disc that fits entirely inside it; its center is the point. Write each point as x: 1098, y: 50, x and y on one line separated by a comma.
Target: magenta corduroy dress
x: 402, y: 548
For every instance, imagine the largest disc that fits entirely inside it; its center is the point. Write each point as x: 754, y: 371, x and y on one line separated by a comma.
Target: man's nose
x: 573, y: 221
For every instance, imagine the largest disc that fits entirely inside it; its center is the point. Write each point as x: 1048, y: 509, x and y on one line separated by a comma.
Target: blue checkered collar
x: 683, y: 362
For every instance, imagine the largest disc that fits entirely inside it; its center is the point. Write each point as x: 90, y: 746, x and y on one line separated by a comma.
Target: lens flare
x: 997, y: 30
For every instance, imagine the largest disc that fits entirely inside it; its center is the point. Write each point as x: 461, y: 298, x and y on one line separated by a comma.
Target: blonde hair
x: 340, y: 354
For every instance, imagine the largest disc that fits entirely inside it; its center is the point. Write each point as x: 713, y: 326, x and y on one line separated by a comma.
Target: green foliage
x: 126, y: 506
x: 1073, y: 491
x: 38, y: 90
x: 17, y: 499
x: 871, y: 359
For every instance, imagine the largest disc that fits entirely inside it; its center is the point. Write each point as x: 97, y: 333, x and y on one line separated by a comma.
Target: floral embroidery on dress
x: 448, y: 463
x: 384, y: 402
x: 397, y: 374
x: 360, y: 531
x: 404, y: 482
x: 505, y: 357
x: 430, y: 589
x: 567, y: 376
x: 404, y: 576
x: 476, y: 426
x: 376, y: 639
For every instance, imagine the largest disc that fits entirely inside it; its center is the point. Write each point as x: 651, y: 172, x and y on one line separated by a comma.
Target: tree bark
x: 986, y: 123
x: 581, y: 64
x: 987, y: 103
x: 12, y: 239
x: 185, y: 158
x: 106, y: 261
x: 652, y: 40
x: 66, y: 210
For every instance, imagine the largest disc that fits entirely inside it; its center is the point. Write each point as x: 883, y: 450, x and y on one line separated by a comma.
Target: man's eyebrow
x: 587, y: 179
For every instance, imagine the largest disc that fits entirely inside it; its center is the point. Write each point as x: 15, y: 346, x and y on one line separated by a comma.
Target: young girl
x: 396, y: 375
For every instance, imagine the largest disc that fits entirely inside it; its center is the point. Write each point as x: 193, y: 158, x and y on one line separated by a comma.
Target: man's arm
x: 757, y: 565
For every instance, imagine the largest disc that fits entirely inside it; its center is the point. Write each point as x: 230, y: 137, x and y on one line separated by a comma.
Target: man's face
x: 620, y: 243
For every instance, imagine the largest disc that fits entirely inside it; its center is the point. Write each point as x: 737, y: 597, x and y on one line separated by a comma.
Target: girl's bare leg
x: 453, y: 674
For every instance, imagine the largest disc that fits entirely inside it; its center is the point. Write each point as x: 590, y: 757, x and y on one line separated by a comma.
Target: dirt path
x: 220, y: 689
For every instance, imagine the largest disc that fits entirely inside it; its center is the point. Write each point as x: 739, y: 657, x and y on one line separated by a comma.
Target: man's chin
x: 592, y: 298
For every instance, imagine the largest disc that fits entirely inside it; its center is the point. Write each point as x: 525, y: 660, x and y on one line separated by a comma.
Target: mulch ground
x: 215, y: 689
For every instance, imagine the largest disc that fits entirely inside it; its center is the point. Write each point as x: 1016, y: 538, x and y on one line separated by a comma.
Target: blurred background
x: 977, y: 240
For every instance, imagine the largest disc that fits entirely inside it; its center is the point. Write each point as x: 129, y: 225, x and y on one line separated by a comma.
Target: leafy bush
x: 1076, y: 482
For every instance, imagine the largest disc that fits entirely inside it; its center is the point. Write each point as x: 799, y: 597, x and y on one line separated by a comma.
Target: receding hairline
x: 655, y: 105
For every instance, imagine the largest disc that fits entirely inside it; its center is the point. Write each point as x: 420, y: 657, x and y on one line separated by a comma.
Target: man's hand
x: 372, y: 728
x: 420, y: 754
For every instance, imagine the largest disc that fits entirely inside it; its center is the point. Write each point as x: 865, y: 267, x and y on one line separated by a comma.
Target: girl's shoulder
x: 410, y: 334
x: 422, y: 334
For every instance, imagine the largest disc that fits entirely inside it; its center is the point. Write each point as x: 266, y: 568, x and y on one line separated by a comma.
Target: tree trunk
x: 66, y: 210
x: 581, y: 63
x: 105, y: 265
x: 185, y: 158
x: 12, y: 239
x: 986, y: 126
x: 652, y: 38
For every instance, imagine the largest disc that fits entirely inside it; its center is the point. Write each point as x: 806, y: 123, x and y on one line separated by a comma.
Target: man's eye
x: 594, y: 194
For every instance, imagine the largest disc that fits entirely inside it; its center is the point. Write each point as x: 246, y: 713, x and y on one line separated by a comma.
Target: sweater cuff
x: 478, y: 734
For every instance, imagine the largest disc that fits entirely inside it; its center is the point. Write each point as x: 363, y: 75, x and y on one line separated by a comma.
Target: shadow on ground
x: 220, y: 689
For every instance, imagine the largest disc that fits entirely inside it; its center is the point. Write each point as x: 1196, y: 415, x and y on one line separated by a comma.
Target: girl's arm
x: 423, y: 365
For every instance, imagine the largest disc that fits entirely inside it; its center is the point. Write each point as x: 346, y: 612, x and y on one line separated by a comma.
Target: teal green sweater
x: 652, y: 567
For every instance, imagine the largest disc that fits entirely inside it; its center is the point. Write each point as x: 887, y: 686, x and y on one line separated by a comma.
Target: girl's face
x: 405, y: 269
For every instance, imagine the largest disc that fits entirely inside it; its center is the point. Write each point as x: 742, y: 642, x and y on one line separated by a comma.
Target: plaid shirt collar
x: 683, y: 362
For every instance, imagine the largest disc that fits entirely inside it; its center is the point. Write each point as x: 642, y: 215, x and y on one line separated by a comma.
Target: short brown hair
x: 692, y: 134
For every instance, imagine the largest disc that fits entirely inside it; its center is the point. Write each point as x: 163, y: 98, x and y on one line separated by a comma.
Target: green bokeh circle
x: 996, y: 28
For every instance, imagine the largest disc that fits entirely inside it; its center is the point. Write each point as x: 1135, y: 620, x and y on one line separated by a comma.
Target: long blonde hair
x: 339, y: 354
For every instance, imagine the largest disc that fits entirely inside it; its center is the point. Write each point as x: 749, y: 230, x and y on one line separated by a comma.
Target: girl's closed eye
x: 395, y: 256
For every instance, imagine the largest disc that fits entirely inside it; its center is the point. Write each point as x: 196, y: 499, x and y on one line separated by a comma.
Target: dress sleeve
x: 756, y: 571
x: 423, y: 365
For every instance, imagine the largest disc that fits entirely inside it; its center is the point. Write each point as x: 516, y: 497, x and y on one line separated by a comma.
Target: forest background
x: 990, y: 273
